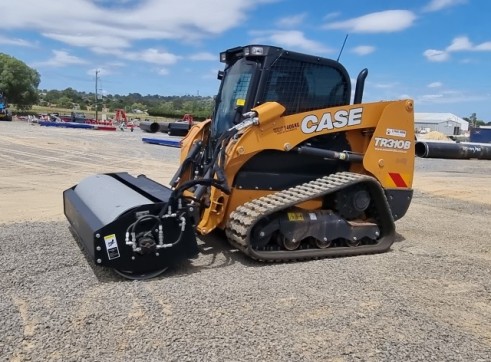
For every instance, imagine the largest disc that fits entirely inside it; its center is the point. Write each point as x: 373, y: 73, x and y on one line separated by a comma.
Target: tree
x: 137, y: 106
x: 72, y: 94
x: 474, y: 121
x: 18, y: 82
x: 52, y: 96
x: 64, y: 102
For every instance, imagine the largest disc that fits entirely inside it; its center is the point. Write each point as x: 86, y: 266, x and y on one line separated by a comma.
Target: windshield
x: 233, y: 93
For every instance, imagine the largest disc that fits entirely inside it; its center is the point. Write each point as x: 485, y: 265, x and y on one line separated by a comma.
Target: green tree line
x: 19, y: 83
x: 153, y: 105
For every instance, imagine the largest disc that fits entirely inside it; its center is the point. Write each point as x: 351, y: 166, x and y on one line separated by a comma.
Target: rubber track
x: 245, y: 217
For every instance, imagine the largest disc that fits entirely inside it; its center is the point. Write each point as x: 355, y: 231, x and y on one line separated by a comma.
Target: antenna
x: 341, y: 51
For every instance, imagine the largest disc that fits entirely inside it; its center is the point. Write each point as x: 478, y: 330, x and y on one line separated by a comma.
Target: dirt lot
x: 38, y: 163
x: 427, y: 299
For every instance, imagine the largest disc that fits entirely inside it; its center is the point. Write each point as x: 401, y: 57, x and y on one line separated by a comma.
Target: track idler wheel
x: 287, y: 243
x: 352, y: 243
x: 321, y: 244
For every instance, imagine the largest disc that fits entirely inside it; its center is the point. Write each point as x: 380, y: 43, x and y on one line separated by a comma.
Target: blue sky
x: 437, y: 52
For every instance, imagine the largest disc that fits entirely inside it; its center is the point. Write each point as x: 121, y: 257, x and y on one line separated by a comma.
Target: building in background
x: 447, y: 123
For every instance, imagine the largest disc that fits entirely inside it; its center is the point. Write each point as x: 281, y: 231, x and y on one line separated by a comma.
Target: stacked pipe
x: 149, y: 126
x: 451, y: 150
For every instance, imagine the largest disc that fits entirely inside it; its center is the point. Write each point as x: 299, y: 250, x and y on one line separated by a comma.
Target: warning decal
x: 295, y: 216
x: 111, y: 246
x: 398, y: 179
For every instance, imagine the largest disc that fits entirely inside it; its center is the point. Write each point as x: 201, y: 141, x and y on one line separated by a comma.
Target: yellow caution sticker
x: 295, y: 216
x: 112, y: 246
x: 240, y: 102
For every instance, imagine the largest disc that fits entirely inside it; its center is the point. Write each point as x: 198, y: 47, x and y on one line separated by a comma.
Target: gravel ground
x: 428, y: 299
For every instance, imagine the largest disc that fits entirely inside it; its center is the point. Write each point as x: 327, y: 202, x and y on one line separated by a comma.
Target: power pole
x: 96, y: 98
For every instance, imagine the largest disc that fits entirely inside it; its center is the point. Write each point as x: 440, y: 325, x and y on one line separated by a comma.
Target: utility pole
x: 96, y: 98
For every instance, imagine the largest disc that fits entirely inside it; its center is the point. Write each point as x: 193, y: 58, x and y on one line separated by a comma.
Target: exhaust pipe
x: 450, y: 150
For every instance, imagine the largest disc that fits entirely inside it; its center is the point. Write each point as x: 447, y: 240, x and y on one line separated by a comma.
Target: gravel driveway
x: 427, y: 299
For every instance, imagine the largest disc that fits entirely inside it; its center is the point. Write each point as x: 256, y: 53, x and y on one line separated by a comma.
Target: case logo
x: 340, y: 119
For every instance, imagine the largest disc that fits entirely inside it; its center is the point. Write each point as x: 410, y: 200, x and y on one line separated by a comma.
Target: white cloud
x: 462, y: 43
x: 291, y: 39
x: 115, y: 64
x: 291, y: 21
x: 435, y: 85
x: 163, y: 71
x: 89, y: 40
x: 204, y: 56
x: 379, y: 22
x: 151, y: 55
x: 154, y: 56
x: 332, y: 15
x: 436, y: 5
x: 61, y: 58
x: 90, y: 24
x: 16, y: 42
x: 459, y: 44
x: 118, y: 2
x: 434, y: 55
x: 363, y: 49
x: 102, y: 71
x: 450, y: 97
x: 385, y: 85
x: 430, y: 98
x: 483, y: 46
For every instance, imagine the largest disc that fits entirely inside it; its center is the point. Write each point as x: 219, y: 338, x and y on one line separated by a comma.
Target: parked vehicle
x: 78, y: 117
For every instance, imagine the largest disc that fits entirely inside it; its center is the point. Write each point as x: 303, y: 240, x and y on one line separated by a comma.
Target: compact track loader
x: 287, y: 166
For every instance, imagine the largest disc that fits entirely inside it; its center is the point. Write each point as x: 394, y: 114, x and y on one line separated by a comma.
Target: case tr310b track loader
x: 288, y: 166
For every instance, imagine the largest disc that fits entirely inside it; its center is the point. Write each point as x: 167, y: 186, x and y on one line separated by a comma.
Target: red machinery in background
x: 121, y: 120
x: 120, y: 116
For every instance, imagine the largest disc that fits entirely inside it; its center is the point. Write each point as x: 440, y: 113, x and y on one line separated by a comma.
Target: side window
x: 240, y: 91
x: 328, y: 88
x: 287, y: 85
x: 302, y: 87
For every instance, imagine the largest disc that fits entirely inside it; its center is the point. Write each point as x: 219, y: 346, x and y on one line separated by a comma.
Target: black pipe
x: 450, y: 150
x: 149, y: 126
x: 360, y: 86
